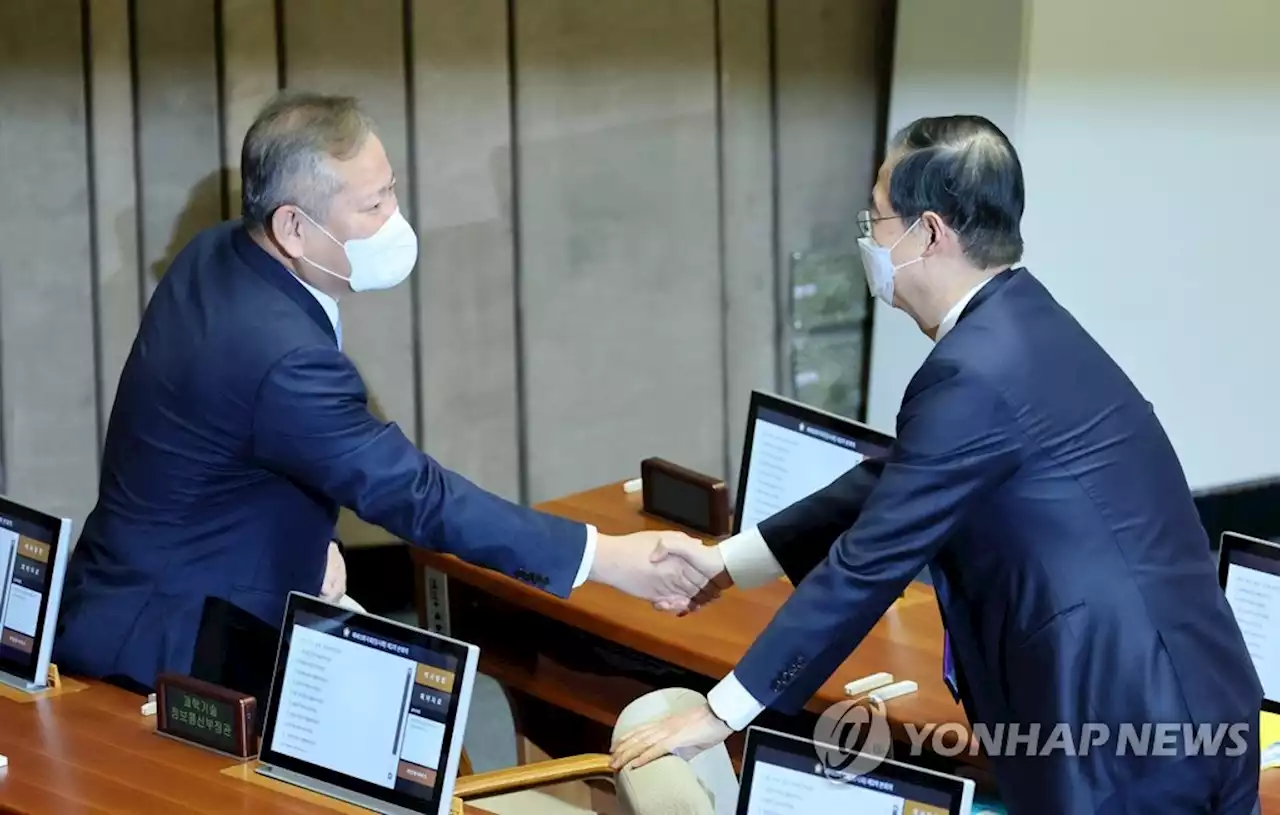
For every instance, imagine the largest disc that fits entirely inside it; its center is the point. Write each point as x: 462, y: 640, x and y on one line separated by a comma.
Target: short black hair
x: 285, y: 155
x: 965, y: 170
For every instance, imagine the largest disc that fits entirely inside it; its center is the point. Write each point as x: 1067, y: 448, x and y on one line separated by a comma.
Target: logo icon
x: 852, y: 737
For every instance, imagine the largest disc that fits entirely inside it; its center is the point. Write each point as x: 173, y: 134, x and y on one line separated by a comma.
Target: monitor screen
x: 792, y: 451
x: 368, y: 705
x: 782, y: 775
x: 1249, y: 569
x: 32, y: 562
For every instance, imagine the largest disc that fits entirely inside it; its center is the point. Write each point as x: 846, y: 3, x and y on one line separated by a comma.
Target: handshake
x: 673, y: 571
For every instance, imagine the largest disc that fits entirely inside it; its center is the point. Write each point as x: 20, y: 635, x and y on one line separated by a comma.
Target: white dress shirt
x: 330, y: 306
x: 750, y: 563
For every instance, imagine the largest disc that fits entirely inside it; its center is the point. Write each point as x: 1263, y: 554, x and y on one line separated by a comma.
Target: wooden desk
x: 907, y: 642
x: 92, y: 752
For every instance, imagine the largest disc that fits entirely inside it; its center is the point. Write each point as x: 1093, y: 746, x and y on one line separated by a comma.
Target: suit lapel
x: 270, y: 270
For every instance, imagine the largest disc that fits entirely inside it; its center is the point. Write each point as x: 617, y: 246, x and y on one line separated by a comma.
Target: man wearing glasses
x: 1073, y: 575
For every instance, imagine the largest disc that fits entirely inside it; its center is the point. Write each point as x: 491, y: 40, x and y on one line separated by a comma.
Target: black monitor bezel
x: 1237, y: 542
x: 888, y: 769
x: 43, y: 627
x: 807, y: 413
x: 388, y: 629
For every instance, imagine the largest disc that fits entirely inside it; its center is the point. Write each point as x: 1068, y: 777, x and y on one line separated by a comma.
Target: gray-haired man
x: 240, y: 428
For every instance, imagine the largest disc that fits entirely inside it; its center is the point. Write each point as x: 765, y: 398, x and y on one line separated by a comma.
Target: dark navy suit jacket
x: 1072, y: 571
x: 238, y: 431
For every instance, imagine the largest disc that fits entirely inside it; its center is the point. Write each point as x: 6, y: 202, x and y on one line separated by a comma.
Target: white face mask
x: 381, y: 261
x: 877, y: 263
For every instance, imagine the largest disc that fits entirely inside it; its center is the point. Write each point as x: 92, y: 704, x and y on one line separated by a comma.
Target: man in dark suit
x: 1074, y: 578
x: 240, y: 428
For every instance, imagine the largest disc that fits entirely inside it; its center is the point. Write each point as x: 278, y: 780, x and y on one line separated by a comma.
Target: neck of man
x: 319, y: 280
x: 933, y: 302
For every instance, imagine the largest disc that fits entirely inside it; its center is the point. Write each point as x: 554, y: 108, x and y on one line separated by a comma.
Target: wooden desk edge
x: 567, y: 612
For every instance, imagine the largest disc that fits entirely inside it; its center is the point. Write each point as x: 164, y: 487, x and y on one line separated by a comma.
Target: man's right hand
x: 661, y: 567
x: 705, y: 560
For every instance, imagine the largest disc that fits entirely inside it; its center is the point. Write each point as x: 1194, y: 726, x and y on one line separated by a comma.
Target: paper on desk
x: 1269, y: 727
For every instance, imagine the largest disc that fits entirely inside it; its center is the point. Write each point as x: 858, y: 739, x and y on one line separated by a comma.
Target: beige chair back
x: 670, y: 785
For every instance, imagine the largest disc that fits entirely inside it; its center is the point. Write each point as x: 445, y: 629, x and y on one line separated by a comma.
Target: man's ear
x: 937, y: 233
x: 285, y: 229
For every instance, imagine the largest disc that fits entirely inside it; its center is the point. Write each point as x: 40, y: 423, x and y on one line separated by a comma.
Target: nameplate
x: 691, y: 499
x: 206, y: 715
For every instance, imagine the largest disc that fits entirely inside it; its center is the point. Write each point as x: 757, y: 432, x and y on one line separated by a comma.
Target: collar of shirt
x: 952, y: 317
x: 326, y: 302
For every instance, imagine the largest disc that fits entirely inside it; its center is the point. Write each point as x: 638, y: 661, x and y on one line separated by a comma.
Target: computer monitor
x: 34, y: 548
x: 791, y: 451
x: 782, y: 773
x: 367, y: 710
x: 1249, y: 570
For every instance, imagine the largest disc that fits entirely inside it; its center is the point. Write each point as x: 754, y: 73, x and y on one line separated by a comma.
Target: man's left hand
x: 706, y: 561
x: 335, y: 576
x: 646, y: 565
x: 686, y: 734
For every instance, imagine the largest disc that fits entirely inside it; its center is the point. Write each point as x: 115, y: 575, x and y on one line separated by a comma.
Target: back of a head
x: 286, y: 154
x: 964, y: 169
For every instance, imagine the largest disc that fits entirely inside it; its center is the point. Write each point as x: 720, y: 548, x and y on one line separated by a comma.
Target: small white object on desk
x: 904, y: 688
x: 634, y: 485
x: 149, y: 707
x: 4, y: 762
x: 350, y: 605
x: 866, y: 684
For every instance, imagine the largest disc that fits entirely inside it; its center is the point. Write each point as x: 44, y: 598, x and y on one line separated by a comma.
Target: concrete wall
x: 603, y: 191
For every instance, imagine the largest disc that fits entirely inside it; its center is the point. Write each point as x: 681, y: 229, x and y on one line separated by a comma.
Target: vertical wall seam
x: 722, y: 237
x: 886, y: 26
x: 282, y: 71
x: 138, y: 173
x: 220, y: 105
x: 95, y: 241
x: 517, y: 299
x: 415, y: 216
x: 783, y: 357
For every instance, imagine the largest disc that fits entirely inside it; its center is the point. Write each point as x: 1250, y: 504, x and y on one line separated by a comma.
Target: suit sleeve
x: 312, y: 423
x: 956, y: 442
x: 800, y: 536
x: 792, y: 542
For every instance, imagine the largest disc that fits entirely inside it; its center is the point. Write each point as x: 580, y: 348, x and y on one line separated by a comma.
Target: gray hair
x: 964, y: 169
x: 285, y: 158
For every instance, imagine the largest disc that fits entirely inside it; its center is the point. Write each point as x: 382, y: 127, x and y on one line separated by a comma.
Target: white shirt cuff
x: 588, y: 557
x: 733, y: 704
x: 748, y: 560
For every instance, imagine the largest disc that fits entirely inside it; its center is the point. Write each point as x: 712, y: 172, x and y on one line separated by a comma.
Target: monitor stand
x: 332, y: 790
x: 24, y: 685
